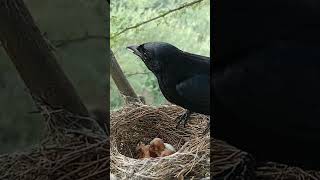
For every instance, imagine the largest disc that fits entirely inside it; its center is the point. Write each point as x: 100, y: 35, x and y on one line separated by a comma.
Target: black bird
x: 266, y: 80
x: 184, y: 78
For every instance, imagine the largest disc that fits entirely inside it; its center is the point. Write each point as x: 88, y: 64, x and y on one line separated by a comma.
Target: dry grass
x: 229, y: 162
x: 80, y: 153
x: 135, y: 123
x: 66, y: 153
x: 277, y: 171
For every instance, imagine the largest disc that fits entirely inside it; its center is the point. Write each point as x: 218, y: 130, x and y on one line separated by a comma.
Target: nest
x: 229, y: 162
x: 135, y: 123
x: 74, y: 152
x: 272, y: 170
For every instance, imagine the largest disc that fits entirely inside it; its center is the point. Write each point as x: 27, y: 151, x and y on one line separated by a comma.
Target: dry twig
x: 155, y: 18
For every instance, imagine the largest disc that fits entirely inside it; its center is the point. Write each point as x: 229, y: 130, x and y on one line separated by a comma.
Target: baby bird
x: 160, y: 148
x: 144, y: 152
x: 157, y: 146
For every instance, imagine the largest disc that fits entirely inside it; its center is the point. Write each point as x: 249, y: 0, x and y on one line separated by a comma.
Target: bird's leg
x: 183, y: 118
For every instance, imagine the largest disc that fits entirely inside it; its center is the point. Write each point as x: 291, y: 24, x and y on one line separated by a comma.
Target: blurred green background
x: 84, y: 62
x: 188, y: 29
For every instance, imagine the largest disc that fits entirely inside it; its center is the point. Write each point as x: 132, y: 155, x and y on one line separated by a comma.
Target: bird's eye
x: 145, y: 53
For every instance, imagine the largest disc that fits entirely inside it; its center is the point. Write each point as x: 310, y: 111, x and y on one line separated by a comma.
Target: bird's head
x: 157, y: 146
x: 155, y: 55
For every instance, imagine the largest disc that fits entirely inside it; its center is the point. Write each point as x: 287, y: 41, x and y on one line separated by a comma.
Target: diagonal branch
x: 136, y: 73
x: 157, y: 17
x: 120, y: 80
x: 36, y: 64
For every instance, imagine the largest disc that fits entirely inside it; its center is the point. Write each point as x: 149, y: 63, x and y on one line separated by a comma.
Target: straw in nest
x: 65, y: 153
x: 229, y: 162
x: 135, y: 123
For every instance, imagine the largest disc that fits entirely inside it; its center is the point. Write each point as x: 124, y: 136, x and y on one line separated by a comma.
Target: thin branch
x: 136, y: 73
x: 60, y: 43
x: 155, y: 18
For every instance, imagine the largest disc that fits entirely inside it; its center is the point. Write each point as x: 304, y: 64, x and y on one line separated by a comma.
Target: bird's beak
x: 134, y: 50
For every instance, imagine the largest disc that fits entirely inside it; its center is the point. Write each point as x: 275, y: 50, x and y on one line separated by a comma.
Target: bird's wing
x: 196, y: 57
x: 200, y: 64
x: 195, y: 90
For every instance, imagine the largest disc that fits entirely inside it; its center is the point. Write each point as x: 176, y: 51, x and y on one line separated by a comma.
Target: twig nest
x: 74, y: 147
x: 228, y: 162
x: 271, y: 170
x: 141, y: 123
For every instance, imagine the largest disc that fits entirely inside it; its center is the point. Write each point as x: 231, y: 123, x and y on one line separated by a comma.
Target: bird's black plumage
x: 266, y: 80
x: 184, y: 78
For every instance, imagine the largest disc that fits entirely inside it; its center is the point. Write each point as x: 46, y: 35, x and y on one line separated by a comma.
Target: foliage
x: 188, y: 29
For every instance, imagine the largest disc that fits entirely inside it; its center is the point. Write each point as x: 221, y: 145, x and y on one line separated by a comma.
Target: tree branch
x: 155, y: 18
x: 136, y: 73
x: 36, y: 63
x: 60, y: 43
x: 120, y: 80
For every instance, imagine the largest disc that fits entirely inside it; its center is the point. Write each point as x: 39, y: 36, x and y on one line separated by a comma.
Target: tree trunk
x: 34, y: 60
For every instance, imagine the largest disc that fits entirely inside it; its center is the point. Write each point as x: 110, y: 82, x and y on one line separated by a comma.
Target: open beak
x: 134, y: 50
